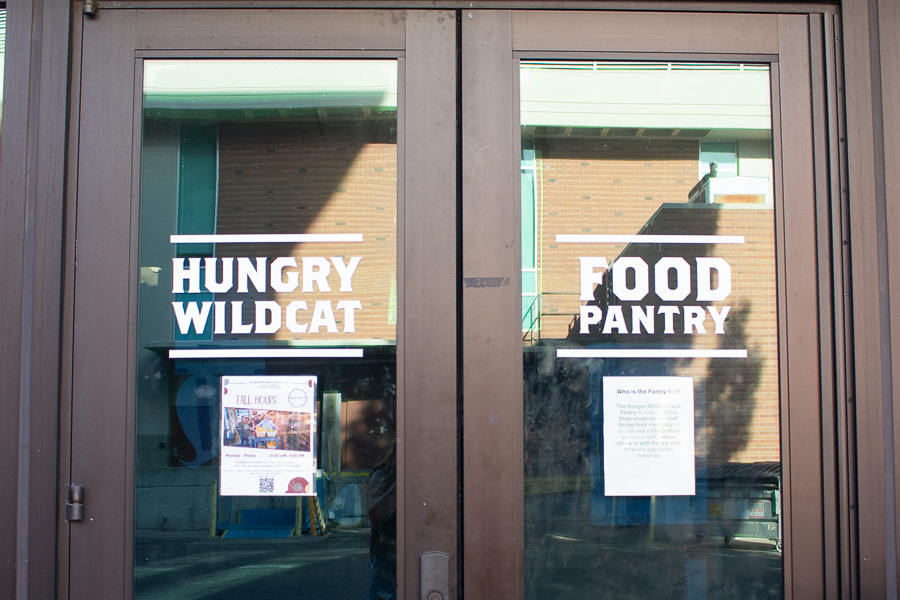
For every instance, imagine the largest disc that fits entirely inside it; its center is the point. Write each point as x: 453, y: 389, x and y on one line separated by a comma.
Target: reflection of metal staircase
x: 533, y: 317
x: 531, y: 322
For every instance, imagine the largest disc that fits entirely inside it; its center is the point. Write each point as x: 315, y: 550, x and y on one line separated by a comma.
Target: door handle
x: 434, y: 576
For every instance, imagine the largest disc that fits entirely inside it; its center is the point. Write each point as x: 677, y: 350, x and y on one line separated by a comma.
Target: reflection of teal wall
x: 197, y: 185
x: 159, y: 186
x: 197, y: 199
x: 530, y: 308
x: 177, y: 162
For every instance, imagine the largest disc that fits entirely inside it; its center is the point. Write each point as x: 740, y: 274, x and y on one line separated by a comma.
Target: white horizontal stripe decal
x: 649, y: 353
x: 274, y: 238
x: 272, y: 353
x: 649, y: 239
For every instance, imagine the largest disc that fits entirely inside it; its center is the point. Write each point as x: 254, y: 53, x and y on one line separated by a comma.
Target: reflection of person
x: 266, y: 432
x: 243, y: 428
x: 231, y: 433
x: 303, y: 432
x: 253, y: 421
x: 282, y: 424
x: 381, y: 503
x: 263, y: 426
x: 266, y: 423
x: 292, y: 433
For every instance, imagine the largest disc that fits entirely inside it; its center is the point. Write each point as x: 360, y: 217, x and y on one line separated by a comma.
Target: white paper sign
x: 268, y: 436
x: 648, y: 436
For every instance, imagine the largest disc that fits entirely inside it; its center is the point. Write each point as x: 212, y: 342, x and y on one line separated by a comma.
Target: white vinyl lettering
x: 693, y: 319
x: 316, y: 270
x: 189, y: 314
x: 216, y: 275
x: 227, y: 275
x: 237, y: 317
x: 345, y: 272
x: 672, y: 282
x: 348, y: 306
x: 323, y: 316
x: 669, y: 313
x: 705, y: 267
x: 590, y: 315
x: 268, y: 317
x: 682, y: 278
x: 592, y: 270
x: 277, y: 274
x: 642, y: 318
x: 291, y: 314
x: 718, y: 317
x: 191, y: 274
x: 620, y: 278
x: 615, y: 319
x: 219, y: 318
x: 247, y: 271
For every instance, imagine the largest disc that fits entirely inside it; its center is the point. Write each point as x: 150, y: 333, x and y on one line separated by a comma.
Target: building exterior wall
x: 34, y: 308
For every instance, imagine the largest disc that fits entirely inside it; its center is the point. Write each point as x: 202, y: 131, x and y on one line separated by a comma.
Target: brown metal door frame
x: 101, y: 271
x: 36, y: 201
x: 871, y: 143
x: 492, y: 423
x: 492, y: 42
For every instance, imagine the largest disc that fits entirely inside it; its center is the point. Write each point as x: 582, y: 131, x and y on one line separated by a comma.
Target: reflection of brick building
x: 591, y: 186
x: 619, y: 187
x: 296, y: 178
x: 739, y: 417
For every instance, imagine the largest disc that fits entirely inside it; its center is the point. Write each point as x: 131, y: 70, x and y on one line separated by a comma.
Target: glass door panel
x: 667, y: 328
x: 282, y: 311
x: 265, y: 233
x: 652, y: 462
x: 267, y: 329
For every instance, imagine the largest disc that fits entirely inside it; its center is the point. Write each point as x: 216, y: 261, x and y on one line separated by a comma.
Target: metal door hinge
x: 90, y: 7
x: 75, y: 505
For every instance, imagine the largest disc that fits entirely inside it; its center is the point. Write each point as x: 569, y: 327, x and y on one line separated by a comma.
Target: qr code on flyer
x: 266, y: 485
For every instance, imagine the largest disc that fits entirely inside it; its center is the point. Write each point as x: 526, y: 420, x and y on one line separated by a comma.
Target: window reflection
x: 652, y: 436
x: 268, y: 252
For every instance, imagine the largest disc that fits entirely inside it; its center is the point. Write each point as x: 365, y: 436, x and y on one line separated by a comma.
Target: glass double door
x: 423, y: 302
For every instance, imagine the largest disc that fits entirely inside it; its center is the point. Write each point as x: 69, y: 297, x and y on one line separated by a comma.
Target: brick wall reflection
x: 301, y: 178
x: 592, y: 186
